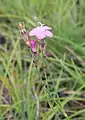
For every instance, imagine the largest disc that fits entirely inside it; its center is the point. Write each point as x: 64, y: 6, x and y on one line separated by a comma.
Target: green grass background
x: 64, y: 72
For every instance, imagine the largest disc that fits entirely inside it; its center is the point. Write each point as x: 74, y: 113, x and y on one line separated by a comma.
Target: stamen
x: 40, y: 24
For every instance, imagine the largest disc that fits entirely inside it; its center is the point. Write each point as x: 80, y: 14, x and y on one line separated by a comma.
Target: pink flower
x: 41, y: 32
x: 33, y: 45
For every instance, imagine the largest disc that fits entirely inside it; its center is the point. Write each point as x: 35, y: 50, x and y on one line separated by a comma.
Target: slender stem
x: 37, y: 104
x: 28, y: 91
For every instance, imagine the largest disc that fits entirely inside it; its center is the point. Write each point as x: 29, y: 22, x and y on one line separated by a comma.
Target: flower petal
x: 32, y: 32
x: 48, y: 33
x: 40, y: 35
x: 36, y: 30
x: 47, y: 28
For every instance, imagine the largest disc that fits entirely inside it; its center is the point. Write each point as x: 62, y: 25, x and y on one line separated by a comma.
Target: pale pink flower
x: 41, y: 32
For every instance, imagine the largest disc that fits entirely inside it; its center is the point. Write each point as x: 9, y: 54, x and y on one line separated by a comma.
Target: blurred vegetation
x: 57, y: 92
